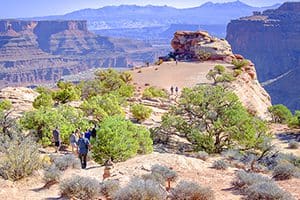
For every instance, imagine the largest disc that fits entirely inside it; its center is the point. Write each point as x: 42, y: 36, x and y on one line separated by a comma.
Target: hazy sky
x: 31, y: 8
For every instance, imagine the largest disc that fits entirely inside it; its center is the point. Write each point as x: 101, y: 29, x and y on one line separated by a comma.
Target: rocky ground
x: 188, y: 168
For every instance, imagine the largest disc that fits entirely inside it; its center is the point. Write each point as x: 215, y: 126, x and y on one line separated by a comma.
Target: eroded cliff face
x: 271, y: 40
x: 34, y: 52
x: 189, y: 45
x: 252, y: 95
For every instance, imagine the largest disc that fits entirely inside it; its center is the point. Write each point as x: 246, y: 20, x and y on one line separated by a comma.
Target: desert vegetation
x: 209, y: 117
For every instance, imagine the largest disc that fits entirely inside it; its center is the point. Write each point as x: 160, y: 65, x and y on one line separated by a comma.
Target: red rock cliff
x: 271, y: 40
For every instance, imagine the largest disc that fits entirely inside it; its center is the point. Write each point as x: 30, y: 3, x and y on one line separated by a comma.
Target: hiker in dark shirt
x: 87, y: 134
x: 176, y: 90
x: 172, y: 90
x: 56, y: 139
x: 83, y: 145
x: 94, y: 132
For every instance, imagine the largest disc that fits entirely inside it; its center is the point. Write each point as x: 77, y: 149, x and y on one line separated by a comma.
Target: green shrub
x: 284, y: 171
x: 140, y: 112
x: 220, y: 164
x: 101, y: 107
x: 119, y: 139
x: 140, y: 189
x: 67, y: 92
x: 191, y: 191
x: 202, y: 155
x: 239, y: 64
x: 109, y: 187
x: 79, y: 187
x: 268, y: 191
x: 280, y: 113
x: 41, y: 122
x: 43, y: 100
x: 66, y: 161
x: 294, y: 144
x: 153, y: 92
x: 237, y: 72
x: 20, y: 157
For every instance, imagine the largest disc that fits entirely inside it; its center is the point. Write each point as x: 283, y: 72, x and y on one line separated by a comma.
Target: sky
x: 34, y: 8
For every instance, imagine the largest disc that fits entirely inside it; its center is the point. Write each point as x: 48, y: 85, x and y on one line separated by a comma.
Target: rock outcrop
x: 190, y: 45
x: 187, y: 46
x: 33, y: 52
x: 20, y: 97
x: 271, y: 40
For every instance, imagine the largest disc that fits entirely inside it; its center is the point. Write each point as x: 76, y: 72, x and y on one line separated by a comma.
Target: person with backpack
x: 83, y: 147
x: 73, y: 142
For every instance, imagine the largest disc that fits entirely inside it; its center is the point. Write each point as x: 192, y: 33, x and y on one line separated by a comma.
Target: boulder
x: 21, y: 98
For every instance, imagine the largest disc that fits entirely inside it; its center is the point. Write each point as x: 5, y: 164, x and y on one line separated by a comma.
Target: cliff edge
x: 271, y: 40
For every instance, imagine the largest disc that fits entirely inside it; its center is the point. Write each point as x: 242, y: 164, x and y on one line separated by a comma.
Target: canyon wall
x: 271, y: 39
x: 34, y: 52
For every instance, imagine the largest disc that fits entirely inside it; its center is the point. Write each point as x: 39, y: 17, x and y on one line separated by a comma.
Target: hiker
x: 83, y: 147
x: 56, y: 139
x: 94, y: 132
x: 176, y: 90
x: 87, y: 134
x: 73, y: 142
x: 172, y: 90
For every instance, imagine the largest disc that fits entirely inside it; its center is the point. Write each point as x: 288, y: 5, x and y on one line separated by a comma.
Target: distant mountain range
x: 138, y: 17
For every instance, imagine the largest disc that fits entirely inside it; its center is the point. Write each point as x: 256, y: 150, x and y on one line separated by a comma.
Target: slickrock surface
x: 21, y: 98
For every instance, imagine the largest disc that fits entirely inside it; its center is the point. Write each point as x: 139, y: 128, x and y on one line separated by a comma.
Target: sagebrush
x: 20, y: 156
x: 79, y: 187
x: 191, y: 191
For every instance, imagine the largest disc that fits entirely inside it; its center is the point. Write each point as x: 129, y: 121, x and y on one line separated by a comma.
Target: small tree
x: 102, y: 106
x: 219, y: 75
x: 280, y: 113
x: 42, y: 121
x: 239, y: 64
x: 140, y: 112
x: 6, y: 121
x: 119, y: 139
x: 67, y: 92
x: 213, y: 118
x: 44, y: 100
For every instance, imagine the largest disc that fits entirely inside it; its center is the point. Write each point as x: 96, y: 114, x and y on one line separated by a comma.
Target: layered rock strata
x: 271, y: 40
x: 33, y: 52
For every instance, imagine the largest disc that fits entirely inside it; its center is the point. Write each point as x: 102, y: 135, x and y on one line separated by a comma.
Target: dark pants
x: 82, y: 157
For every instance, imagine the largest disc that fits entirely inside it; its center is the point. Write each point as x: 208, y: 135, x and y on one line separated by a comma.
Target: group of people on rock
x: 79, y: 141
